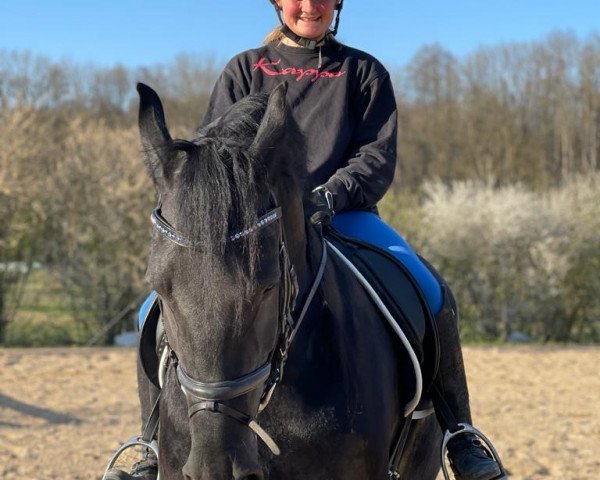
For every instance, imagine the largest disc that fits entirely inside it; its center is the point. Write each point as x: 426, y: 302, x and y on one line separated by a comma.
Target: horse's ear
x: 155, y: 137
x: 272, y: 126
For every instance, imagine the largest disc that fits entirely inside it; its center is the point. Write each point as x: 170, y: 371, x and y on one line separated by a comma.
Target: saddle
x: 397, y: 294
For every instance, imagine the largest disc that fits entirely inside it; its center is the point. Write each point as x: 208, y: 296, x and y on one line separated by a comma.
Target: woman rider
x: 343, y: 101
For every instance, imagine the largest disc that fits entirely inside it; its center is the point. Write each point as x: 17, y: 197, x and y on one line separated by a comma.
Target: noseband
x: 210, y: 396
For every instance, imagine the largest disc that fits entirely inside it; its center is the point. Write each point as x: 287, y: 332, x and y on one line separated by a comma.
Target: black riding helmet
x: 307, y: 42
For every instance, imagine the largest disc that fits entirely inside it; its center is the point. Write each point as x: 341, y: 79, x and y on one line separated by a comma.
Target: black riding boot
x: 469, y: 459
x: 145, y: 469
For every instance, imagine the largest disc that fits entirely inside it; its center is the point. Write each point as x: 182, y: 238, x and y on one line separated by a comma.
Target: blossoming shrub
x: 516, y: 260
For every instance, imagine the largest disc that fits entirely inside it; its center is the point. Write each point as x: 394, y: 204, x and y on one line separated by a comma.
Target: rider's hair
x: 275, y: 35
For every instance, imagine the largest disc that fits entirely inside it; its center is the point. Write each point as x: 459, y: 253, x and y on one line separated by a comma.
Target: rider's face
x: 308, y: 18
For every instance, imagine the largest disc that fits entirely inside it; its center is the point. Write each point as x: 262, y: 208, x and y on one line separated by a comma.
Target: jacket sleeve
x: 369, y: 170
x: 227, y: 90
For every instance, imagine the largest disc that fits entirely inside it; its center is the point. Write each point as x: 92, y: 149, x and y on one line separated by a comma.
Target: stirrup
x: 467, y: 428
x: 132, y: 443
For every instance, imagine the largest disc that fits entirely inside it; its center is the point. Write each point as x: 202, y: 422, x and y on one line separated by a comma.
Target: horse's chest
x: 320, y: 443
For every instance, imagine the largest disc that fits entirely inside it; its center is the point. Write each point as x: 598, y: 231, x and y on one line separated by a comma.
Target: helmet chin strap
x: 302, y: 41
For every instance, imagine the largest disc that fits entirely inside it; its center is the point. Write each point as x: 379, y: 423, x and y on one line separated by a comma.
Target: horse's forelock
x: 221, y: 184
x: 216, y: 192
x: 217, y: 184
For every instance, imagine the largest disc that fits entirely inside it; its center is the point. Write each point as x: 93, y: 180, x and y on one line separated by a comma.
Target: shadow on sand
x: 49, y: 415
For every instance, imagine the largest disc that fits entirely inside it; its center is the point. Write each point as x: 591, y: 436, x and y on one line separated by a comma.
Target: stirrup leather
x: 467, y: 428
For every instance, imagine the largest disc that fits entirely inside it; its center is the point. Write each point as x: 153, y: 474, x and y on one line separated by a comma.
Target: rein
x: 210, y: 396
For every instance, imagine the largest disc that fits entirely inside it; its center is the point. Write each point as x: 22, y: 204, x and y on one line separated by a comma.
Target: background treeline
x: 513, y: 113
x: 520, y: 262
x: 497, y: 186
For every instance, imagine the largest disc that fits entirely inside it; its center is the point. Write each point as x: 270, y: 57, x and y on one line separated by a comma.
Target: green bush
x: 516, y: 260
x: 32, y: 333
x: 43, y: 317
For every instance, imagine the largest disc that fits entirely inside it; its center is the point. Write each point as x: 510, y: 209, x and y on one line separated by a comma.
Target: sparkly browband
x: 167, y: 230
x: 177, y: 237
x: 268, y: 218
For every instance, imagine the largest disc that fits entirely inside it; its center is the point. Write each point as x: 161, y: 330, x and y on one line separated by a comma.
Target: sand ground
x: 64, y: 411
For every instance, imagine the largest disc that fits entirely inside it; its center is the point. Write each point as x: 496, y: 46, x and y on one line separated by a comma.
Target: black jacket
x: 346, y: 109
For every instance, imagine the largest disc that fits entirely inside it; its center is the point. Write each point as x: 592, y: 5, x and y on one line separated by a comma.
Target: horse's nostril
x: 250, y: 474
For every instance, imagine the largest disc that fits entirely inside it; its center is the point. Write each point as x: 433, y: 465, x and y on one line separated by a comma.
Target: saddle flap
x: 400, y: 293
x: 392, y: 282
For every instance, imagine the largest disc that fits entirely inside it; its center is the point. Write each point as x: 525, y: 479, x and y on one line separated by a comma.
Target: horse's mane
x: 222, y: 182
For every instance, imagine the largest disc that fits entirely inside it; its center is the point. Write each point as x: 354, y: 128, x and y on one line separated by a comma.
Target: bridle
x: 211, y: 396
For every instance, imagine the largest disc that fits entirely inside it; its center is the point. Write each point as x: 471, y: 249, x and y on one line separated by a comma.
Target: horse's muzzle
x: 217, y: 454
x: 250, y: 475
x: 194, y: 471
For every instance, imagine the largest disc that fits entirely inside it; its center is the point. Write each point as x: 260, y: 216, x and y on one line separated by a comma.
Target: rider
x: 343, y: 101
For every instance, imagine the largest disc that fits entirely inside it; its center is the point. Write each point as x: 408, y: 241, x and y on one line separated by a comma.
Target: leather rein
x: 211, y: 396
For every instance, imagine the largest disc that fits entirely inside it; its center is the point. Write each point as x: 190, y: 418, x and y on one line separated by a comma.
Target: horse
x: 279, y: 365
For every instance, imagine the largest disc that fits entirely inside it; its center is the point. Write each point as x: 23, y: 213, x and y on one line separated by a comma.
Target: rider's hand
x: 320, y: 208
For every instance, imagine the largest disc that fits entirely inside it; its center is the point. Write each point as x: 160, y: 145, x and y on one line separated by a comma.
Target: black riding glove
x: 320, y: 208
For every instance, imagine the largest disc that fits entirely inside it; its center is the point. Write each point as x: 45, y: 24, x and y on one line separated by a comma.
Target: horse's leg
x: 420, y: 456
x: 174, y: 434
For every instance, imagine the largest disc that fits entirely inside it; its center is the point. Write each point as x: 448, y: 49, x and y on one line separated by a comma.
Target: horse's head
x: 229, y: 213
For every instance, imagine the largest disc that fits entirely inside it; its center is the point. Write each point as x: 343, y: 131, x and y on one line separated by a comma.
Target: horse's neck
x: 356, y: 324
x: 340, y: 301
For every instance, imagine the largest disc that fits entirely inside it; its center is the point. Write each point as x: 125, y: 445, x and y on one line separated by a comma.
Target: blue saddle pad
x: 145, y: 309
x: 150, y: 331
x: 370, y: 228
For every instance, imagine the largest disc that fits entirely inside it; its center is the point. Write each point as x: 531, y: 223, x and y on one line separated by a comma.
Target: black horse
x: 245, y: 291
